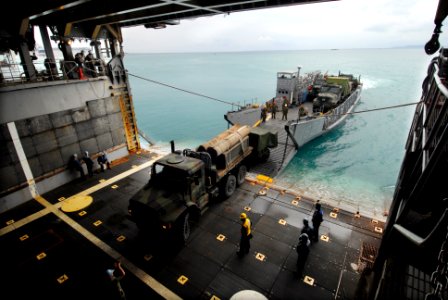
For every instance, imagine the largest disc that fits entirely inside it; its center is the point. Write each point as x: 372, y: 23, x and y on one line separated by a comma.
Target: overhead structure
x: 92, y: 19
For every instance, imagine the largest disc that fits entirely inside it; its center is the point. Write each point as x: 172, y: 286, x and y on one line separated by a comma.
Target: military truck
x: 183, y: 183
x: 333, y: 92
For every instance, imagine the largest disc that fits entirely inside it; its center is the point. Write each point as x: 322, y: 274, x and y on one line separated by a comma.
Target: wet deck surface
x: 210, y: 266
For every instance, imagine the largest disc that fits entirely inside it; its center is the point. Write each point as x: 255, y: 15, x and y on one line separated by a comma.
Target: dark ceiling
x: 94, y: 19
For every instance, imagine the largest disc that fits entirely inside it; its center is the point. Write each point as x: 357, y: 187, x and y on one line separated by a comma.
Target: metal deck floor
x: 210, y: 267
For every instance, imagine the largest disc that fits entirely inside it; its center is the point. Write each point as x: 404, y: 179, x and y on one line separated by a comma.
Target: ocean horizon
x: 356, y: 165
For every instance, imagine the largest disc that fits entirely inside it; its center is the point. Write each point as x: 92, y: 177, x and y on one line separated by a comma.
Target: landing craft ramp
x: 51, y: 254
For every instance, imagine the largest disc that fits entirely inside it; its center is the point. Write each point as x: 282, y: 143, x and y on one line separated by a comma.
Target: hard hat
x: 243, y: 216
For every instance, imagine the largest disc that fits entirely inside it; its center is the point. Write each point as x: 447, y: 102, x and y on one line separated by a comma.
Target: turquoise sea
x: 357, y: 164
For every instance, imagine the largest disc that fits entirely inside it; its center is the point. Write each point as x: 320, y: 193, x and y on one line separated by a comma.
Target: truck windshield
x: 171, y: 178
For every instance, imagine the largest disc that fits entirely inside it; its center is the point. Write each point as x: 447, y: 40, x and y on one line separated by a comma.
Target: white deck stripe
x: 22, y: 158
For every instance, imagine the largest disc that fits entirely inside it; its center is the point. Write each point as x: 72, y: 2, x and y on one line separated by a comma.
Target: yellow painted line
x: 10, y: 222
x: 49, y: 208
x: 112, y: 180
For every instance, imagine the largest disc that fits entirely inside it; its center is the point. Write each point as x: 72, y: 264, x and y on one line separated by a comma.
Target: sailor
x: 263, y: 113
x: 246, y: 235
x: 302, y: 250
x: 103, y: 160
x: 285, y: 111
x: 274, y: 108
x: 90, y: 65
x: 89, y: 163
x: 306, y: 228
x: 318, y: 218
x: 75, y: 164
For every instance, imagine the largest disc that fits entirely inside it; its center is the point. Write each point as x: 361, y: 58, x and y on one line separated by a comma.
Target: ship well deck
x: 48, y: 253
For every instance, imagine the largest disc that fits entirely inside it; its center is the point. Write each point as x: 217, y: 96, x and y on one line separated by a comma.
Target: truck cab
x: 175, y: 193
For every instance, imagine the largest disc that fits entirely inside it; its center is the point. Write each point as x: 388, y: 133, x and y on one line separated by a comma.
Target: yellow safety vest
x: 246, y: 225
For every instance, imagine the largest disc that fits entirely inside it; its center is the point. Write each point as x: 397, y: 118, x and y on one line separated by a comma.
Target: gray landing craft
x: 316, y: 103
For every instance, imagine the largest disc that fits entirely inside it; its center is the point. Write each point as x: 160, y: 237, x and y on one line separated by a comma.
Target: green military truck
x: 183, y: 183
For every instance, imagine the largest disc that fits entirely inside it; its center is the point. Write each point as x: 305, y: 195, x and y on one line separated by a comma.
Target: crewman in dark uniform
x: 263, y: 113
x: 274, y: 108
x: 89, y: 163
x: 246, y: 235
x: 302, y: 250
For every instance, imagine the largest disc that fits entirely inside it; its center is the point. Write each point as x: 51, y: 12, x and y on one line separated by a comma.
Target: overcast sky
x: 340, y: 24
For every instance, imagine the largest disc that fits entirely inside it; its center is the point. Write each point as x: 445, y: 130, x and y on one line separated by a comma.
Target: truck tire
x: 184, y: 227
x: 241, y: 176
x: 229, y: 186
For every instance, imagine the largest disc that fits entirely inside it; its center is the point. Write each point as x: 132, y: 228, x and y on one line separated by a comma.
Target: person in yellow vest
x: 246, y: 235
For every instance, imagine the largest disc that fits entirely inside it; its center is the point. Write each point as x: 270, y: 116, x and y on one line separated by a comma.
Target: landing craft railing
x: 14, y: 73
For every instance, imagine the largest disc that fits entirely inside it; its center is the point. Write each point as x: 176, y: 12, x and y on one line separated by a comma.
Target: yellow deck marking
x: 182, y: 279
x: 24, y: 237
x: 295, y: 202
x: 76, y: 203
x: 358, y: 215
x: 10, y: 222
x: 260, y: 257
x: 102, y: 180
x: 378, y: 229
x: 121, y: 238
x: 62, y: 279
x: 247, y: 208
x: 134, y: 166
x: 374, y: 221
x: 41, y: 255
x: 54, y: 208
x: 265, y: 178
x: 282, y: 222
x: 114, y: 186
x: 324, y: 238
x: 82, y: 213
x: 221, y: 237
x: 147, y: 257
x: 97, y: 223
x: 61, y: 199
x: 309, y: 280
x: 215, y: 298
x: 333, y: 215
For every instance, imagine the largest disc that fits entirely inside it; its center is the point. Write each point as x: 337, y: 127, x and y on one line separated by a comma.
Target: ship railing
x: 15, y: 73
x: 337, y: 113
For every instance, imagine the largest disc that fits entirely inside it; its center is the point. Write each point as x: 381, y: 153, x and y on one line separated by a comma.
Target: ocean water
x: 356, y: 165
